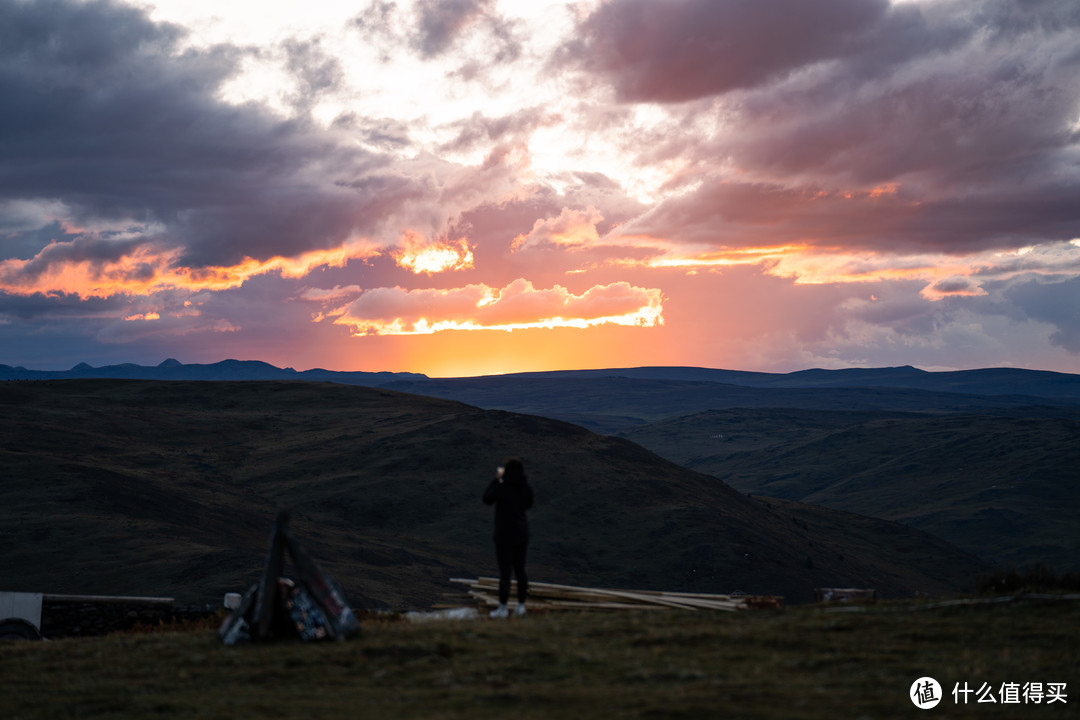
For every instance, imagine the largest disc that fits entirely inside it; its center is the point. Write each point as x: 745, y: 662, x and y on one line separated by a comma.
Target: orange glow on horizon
x: 465, y: 354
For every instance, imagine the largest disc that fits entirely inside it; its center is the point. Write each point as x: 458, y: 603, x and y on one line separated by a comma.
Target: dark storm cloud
x: 686, y: 49
x: 25, y: 244
x: 991, y: 109
x: 743, y: 214
x: 57, y: 305
x: 948, y: 126
x: 92, y: 249
x: 1056, y: 303
x: 105, y: 112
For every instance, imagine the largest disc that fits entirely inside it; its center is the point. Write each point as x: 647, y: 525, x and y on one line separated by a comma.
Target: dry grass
x: 796, y: 663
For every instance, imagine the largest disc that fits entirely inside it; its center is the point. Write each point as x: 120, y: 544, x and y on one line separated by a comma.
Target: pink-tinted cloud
x: 735, y: 214
x: 571, y: 228
x: 952, y: 287
x: 89, y: 266
x: 966, y: 112
x: 519, y: 305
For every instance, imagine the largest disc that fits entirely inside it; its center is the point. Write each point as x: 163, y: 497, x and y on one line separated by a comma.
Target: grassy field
x: 795, y: 663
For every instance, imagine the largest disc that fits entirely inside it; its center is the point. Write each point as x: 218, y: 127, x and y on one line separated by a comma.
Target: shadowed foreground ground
x: 794, y: 663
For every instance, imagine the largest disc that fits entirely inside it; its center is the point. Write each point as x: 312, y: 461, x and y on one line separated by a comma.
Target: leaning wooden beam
x: 267, y: 597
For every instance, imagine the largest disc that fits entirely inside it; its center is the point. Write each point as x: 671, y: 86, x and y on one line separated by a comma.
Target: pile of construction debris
x: 551, y: 597
x: 310, y: 608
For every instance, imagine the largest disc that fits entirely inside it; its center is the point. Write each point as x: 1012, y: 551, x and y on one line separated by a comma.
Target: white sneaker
x: 519, y: 611
x: 499, y: 612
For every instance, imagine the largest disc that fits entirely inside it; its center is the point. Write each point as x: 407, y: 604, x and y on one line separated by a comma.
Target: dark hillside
x: 985, y: 381
x: 1005, y: 487
x: 169, y: 488
x: 613, y: 404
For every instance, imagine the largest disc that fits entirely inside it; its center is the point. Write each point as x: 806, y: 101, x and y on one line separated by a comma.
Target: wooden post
x: 266, y: 600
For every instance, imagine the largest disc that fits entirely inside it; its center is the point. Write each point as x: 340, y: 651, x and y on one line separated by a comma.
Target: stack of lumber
x: 549, y: 596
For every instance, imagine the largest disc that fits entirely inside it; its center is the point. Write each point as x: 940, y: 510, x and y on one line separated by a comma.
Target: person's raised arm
x: 493, y: 491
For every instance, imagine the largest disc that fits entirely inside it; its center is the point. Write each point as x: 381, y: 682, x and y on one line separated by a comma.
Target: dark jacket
x: 511, y: 499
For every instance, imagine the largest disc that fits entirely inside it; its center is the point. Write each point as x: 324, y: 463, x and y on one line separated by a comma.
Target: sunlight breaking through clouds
x: 519, y: 305
x: 428, y: 258
x: 396, y: 168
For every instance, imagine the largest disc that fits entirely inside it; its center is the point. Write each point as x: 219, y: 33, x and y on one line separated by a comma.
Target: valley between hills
x: 150, y: 487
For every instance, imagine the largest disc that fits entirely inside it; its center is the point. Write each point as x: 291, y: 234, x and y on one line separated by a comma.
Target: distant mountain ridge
x: 225, y: 370
x: 986, y: 381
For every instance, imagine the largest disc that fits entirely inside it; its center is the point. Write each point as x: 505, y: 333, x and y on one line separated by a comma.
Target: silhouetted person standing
x: 511, y: 495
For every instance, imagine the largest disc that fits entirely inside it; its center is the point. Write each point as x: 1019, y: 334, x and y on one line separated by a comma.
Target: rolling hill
x: 986, y: 459
x: 615, y: 403
x: 169, y: 488
x: 1005, y: 487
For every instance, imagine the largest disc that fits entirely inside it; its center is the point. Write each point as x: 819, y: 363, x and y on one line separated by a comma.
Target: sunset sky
x: 484, y: 186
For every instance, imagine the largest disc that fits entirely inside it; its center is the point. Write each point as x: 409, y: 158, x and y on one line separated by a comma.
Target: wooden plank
x: 484, y: 598
x: 675, y: 599
x: 621, y: 594
x: 572, y: 596
x: 532, y: 605
x: 107, y: 599
x: 673, y: 595
x: 698, y: 596
x: 570, y: 605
